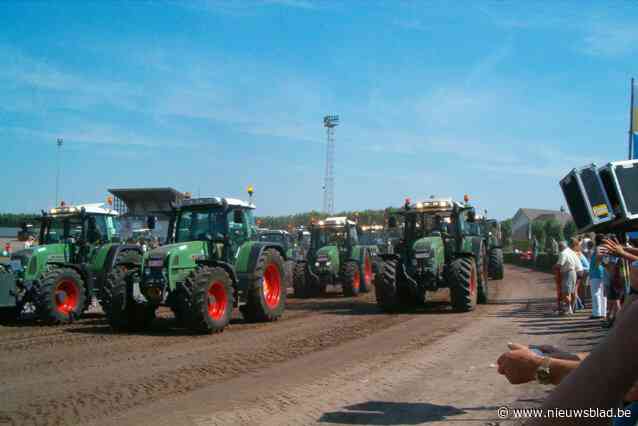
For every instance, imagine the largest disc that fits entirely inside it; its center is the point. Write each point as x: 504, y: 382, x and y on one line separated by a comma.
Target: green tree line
x: 14, y: 220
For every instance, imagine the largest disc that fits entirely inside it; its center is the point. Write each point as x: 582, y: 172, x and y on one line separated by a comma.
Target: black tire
x: 266, y: 300
x: 106, y: 292
x: 305, y: 284
x: 462, y: 274
x: 203, y: 284
x: 124, y: 312
x: 496, y: 264
x: 386, y: 288
x: 481, y: 268
x: 366, y: 278
x: 299, y: 284
x: 351, y: 279
x: 61, y: 296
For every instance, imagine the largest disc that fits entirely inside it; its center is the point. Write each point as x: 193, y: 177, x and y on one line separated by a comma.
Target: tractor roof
x: 94, y: 208
x: 336, y: 221
x: 433, y: 205
x: 215, y: 201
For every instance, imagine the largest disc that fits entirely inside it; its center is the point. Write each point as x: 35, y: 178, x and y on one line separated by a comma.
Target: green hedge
x: 544, y: 262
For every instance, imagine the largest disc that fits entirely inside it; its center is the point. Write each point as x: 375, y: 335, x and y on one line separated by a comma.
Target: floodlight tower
x: 329, y: 122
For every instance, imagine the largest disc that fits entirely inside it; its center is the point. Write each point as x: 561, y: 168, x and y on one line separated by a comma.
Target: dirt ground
x: 333, y: 361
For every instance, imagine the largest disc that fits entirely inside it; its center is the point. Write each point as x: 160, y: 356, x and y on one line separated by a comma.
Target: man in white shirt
x: 569, y: 265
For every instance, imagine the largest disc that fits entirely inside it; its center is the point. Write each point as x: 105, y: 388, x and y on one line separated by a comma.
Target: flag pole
x: 631, y: 122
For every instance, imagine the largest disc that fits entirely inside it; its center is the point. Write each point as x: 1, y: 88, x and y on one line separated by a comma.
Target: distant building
x: 522, y: 220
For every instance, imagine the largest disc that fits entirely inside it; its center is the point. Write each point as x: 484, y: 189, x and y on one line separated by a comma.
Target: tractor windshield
x: 329, y: 236
x: 273, y: 237
x: 419, y: 225
x: 56, y: 226
x: 195, y: 225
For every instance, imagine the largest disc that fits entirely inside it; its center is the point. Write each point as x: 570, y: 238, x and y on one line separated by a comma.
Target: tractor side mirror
x: 150, y: 222
x: 471, y: 216
x: 238, y: 217
x: 392, y: 222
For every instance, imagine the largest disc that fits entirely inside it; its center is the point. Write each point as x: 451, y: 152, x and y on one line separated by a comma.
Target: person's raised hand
x: 614, y: 247
x: 519, y: 365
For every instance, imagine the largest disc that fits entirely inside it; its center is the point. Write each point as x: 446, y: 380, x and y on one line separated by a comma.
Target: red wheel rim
x: 217, y: 300
x: 272, y: 286
x: 367, y: 270
x: 67, y: 295
x: 356, y: 280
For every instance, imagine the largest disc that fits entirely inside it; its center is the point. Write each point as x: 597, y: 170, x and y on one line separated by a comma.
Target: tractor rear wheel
x: 210, y: 305
x: 463, y: 284
x: 366, y: 274
x: 386, y: 288
x: 496, y: 264
x: 481, y: 268
x: 351, y: 279
x: 61, y: 296
x: 123, y: 312
x: 266, y: 299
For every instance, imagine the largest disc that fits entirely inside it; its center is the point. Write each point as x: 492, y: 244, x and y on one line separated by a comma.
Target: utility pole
x: 329, y: 122
x: 57, y: 177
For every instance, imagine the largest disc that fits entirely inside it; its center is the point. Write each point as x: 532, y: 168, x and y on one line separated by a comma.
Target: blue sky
x: 495, y: 99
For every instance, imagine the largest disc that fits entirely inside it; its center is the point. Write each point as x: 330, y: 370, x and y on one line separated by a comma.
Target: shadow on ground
x: 400, y: 413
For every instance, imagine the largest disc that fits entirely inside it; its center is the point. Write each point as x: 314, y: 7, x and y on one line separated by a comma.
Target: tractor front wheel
x: 266, y: 300
x: 481, y: 268
x: 386, y: 289
x: 299, y: 282
x: 496, y: 264
x: 351, y: 279
x: 123, y: 312
x: 463, y: 285
x: 61, y: 296
x: 210, y: 305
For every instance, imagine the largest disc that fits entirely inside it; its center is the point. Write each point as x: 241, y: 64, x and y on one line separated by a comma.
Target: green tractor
x: 436, y: 250
x: 58, y: 279
x: 290, y: 246
x: 335, y: 256
x: 211, y: 263
x: 491, y: 231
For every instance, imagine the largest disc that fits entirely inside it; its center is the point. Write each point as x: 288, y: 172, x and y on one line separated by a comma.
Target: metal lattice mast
x: 329, y: 122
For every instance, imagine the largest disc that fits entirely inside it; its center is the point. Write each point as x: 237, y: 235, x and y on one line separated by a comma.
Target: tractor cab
x: 280, y: 237
x: 339, y: 233
x: 223, y: 223
x: 92, y: 223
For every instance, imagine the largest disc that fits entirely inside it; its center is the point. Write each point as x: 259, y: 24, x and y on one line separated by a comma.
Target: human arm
x: 520, y: 364
x: 605, y: 376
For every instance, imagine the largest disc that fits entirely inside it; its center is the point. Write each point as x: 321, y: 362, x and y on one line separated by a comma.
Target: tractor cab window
x: 329, y: 236
x: 354, y: 237
x: 273, y: 238
x: 113, y: 229
x: 195, y: 225
x: 62, y: 227
x: 99, y: 232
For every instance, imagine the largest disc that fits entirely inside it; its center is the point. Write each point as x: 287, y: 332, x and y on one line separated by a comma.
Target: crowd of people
x: 608, y: 376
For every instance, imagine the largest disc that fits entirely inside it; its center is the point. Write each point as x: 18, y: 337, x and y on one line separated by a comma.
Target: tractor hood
x: 328, y: 253
x: 35, y: 258
x: 432, y: 246
x: 187, y: 248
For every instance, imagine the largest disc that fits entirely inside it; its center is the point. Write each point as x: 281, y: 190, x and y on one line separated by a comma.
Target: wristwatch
x: 543, y: 375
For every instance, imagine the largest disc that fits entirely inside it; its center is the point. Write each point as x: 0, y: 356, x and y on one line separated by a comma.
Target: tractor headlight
x: 328, y: 263
x: 317, y: 264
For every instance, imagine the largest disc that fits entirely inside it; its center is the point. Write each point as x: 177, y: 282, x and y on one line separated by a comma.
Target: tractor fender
x: 111, y: 257
x: 249, y: 255
x: 476, y: 246
x: 224, y: 265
